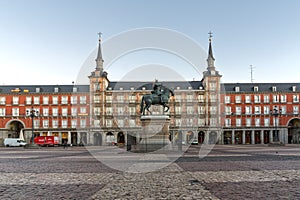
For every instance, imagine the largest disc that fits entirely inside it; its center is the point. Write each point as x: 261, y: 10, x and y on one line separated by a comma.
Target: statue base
x: 155, y: 133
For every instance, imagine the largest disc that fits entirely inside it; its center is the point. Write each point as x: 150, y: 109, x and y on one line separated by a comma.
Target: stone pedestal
x: 155, y: 133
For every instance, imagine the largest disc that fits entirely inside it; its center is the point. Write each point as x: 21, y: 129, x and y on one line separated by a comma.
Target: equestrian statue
x: 159, y: 96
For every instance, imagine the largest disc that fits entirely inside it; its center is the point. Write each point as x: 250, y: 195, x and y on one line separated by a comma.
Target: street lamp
x: 276, y: 113
x: 32, y: 113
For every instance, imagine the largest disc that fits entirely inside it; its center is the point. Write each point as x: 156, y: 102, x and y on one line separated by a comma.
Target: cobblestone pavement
x: 227, y: 172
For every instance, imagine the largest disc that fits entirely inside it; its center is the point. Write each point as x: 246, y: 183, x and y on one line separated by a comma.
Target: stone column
x: 252, y: 137
x: 262, y: 136
x: 271, y: 135
x: 233, y: 137
x: 69, y: 137
x: 243, y: 137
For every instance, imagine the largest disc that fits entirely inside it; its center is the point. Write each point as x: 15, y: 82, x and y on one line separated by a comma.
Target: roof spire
x: 210, y: 59
x: 99, y: 59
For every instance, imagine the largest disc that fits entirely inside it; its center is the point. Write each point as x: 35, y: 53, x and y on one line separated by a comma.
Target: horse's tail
x: 142, y: 105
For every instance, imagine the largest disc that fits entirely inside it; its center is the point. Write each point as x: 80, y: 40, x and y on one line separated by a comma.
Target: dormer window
x: 294, y: 88
x: 274, y: 88
x: 56, y: 89
x: 37, y: 90
x: 255, y: 89
x: 74, y: 89
x: 237, y: 89
x: 143, y: 88
x: 190, y: 87
x: 178, y: 88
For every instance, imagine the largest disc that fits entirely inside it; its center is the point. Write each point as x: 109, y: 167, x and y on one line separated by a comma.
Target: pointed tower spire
x: 99, y: 59
x: 210, y: 58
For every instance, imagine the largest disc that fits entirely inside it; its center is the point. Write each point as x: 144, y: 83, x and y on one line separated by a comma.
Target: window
x: 45, y: 100
x: 132, y: 123
x: 283, y: 110
x: 190, y: 110
x: 2, y: 112
x: 275, y: 98
x: 267, y: 122
x: 227, y: 99
x: 238, y: 122
x: 45, y: 123
x: 74, y: 123
x: 73, y: 99
x: 82, y: 99
x: 109, y: 123
x: 97, y: 122
x: 283, y: 98
x: 295, y: 98
x: 238, y: 99
x: 213, y: 110
x: 212, y: 86
x: 247, y: 99
x: 201, y: 98
x: 201, y: 122
x: 248, y: 121
x: 189, y: 97
x: 132, y: 98
x: 294, y: 88
x: 2, y: 100
x: 238, y: 110
x: 28, y: 100
x: 64, y: 100
x: 178, y: 110
x: 45, y: 112
x: 36, y: 123
x: 96, y: 99
x: 64, y: 112
x: 37, y: 90
x: 97, y: 111
x: 132, y: 110
x: 36, y: 100
x: 15, y: 112
x: 227, y: 122
x: 54, y: 123
x: 256, y: 110
x: 213, y: 98
x: 55, y: 100
x: 255, y: 89
x: 274, y: 88
x: 56, y: 89
x: 266, y: 110
x: 82, y: 123
x: 213, y: 121
x: 55, y: 112
x: 178, y: 97
x: 74, y: 111
x: 257, y: 122
x: 109, y: 111
x: 120, y: 110
x: 295, y: 110
x: 178, y: 122
x: 248, y: 110
x: 15, y: 100
x: 266, y: 99
x: 256, y: 98
x: 64, y: 123
x: 228, y: 110
x: 237, y: 89
x: 83, y: 110
x: 74, y: 89
x: 201, y: 110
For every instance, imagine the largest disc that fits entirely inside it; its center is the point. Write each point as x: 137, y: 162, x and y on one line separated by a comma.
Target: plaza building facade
x: 107, y: 112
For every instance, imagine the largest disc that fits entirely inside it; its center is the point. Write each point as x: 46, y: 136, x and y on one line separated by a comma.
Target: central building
x: 195, y: 109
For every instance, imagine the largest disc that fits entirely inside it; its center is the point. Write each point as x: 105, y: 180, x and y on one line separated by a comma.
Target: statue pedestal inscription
x: 155, y: 133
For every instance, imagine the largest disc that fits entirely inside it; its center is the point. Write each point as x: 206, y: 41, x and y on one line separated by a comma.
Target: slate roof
x: 43, y: 88
x: 136, y: 85
x: 262, y: 87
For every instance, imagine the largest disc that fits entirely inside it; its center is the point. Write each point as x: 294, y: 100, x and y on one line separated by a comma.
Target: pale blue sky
x: 47, y: 42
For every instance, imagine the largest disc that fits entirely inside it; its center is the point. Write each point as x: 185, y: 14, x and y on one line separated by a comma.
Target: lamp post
x: 276, y: 113
x: 32, y: 114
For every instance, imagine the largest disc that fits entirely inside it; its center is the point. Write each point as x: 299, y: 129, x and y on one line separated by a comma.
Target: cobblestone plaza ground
x: 228, y: 172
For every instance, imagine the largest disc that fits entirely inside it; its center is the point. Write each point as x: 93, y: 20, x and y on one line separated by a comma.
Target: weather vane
x: 210, y: 35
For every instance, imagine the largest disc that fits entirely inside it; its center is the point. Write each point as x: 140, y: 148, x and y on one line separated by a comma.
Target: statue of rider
x: 157, y: 89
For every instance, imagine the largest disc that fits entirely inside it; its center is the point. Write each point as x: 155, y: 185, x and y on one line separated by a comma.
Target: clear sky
x: 47, y: 41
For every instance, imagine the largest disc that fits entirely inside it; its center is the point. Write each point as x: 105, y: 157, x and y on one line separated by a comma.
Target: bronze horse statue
x: 160, y: 96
